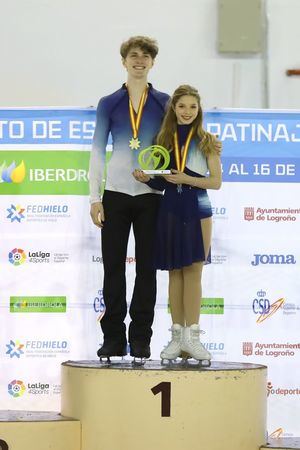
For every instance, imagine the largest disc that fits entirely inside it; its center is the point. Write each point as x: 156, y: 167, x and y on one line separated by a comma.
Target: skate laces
x: 175, y: 337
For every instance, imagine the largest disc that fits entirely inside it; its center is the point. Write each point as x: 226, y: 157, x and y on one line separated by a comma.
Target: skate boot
x: 192, y: 345
x: 173, y: 349
x: 140, y: 351
x: 111, y: 348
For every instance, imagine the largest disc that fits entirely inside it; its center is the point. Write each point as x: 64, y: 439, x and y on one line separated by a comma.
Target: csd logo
x: 261, y: 306
x: 272, y: 259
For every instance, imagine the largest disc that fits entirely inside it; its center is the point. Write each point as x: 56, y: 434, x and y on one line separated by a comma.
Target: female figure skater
x: 184, y: 226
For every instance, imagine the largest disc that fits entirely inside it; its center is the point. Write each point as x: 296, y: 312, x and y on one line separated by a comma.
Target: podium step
x: 122, y: 406
x: 282, y: 444
x: 20, y: 430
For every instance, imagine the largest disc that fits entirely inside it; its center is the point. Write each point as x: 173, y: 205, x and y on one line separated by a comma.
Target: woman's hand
x: 178, y: 177
x: 139, y: 175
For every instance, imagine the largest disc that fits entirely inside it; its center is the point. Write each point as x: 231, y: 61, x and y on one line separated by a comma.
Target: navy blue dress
x: 179, y: 241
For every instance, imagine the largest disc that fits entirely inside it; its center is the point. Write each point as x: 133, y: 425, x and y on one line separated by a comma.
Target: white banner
x: 51, y: 266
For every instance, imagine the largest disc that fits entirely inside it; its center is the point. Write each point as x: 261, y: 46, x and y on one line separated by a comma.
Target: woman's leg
x: 176, y: 296
x: 192, y: 292
x: 192, y: 275
x: 206, y: 227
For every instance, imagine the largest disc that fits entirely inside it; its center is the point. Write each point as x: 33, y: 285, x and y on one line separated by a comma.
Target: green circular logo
x: 154, y: 157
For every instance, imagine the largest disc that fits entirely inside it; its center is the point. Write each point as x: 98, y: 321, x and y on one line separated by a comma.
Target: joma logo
x: 273, y: 259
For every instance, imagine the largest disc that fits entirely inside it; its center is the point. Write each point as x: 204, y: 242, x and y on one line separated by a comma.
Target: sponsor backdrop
x: 51, y: 267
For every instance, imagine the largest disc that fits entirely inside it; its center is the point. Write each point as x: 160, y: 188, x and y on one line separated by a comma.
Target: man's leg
x: 114, y: 238
x: 144, y: 294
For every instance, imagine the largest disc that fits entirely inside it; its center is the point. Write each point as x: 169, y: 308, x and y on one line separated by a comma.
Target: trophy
x: 154, y: 160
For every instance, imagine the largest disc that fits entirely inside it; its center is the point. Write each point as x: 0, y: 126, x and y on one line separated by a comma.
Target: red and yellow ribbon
x: 135, y: 119
x: 181, y: 157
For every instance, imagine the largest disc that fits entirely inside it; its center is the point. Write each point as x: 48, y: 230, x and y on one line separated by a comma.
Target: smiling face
x: 138, y: 62
x: 186, y: 109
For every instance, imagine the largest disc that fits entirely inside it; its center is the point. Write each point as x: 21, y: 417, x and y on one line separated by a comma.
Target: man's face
x: 138, y: 63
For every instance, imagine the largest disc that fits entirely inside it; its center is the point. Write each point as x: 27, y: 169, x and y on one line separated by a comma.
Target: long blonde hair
x: 166, y: 134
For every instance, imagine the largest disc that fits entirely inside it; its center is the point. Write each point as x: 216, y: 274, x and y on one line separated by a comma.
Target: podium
x: 27, y: 430
x: 126, y: 407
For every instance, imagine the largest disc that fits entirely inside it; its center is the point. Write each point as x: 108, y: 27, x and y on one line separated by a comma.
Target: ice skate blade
x: 137, y: 361
x: 106, y: 360
x: 193, y: 362
x: 170, y: 362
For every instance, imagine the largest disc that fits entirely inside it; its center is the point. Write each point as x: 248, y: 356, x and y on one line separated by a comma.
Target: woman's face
x: 186, y: 109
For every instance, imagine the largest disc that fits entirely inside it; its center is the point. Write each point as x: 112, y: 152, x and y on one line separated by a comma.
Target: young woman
x: 184, y: 226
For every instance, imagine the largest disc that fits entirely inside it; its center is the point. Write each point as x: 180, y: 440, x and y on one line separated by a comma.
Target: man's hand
x: 97, y: 214
x: 218, y: 147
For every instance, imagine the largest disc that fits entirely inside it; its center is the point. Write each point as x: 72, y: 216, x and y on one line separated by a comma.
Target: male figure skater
x: 133, y: 115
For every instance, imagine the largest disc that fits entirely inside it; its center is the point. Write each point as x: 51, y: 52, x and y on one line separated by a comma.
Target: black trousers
x: 121, y: 212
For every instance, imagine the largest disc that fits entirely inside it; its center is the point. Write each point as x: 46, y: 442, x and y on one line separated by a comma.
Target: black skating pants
x: 121, y: 212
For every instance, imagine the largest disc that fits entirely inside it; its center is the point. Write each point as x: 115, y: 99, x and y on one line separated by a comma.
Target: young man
x: 133, y: 116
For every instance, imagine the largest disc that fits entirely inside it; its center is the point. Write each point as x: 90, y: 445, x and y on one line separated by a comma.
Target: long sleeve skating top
x: 113, y: 117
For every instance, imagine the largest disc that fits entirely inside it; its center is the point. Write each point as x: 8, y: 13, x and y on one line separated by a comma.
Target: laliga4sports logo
x: 12, y: 173
x: 16, y: 388
x: 17, y: 257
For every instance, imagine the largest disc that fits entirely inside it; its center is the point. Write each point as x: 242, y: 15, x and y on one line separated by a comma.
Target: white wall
x: 66, y: 52
x: 284, y: 53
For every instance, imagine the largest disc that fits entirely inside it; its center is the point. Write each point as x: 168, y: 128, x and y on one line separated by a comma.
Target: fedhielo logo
x: 12, y: 173
x: 17, y: 256
x: 260, y: 258
x: 15, y: 213
x: 99, y: 305
x: 263, y: 308
x: 14, y: 348
x: 16, y: 388
x: 219, y: 213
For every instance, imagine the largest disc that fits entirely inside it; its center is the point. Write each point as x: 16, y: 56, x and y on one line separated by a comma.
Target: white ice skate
x: 173, y: 349
x: 191, y: 344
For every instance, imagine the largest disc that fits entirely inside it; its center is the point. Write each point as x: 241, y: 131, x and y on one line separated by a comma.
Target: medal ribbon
x: 181, y: 159
x: 135, y: 118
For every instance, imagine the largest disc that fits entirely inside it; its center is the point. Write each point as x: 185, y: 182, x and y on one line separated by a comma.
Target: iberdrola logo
x: 12, y: 173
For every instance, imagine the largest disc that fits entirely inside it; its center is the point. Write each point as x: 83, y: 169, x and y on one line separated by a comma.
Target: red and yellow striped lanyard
x: 135, y: 119
x: 181, y: 158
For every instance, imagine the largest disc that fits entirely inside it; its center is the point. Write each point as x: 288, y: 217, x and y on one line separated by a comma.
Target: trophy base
x: 157, y: 172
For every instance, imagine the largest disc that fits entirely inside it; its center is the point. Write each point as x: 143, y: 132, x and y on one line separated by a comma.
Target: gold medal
x: 135, y: 120
x: 134, y: 143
